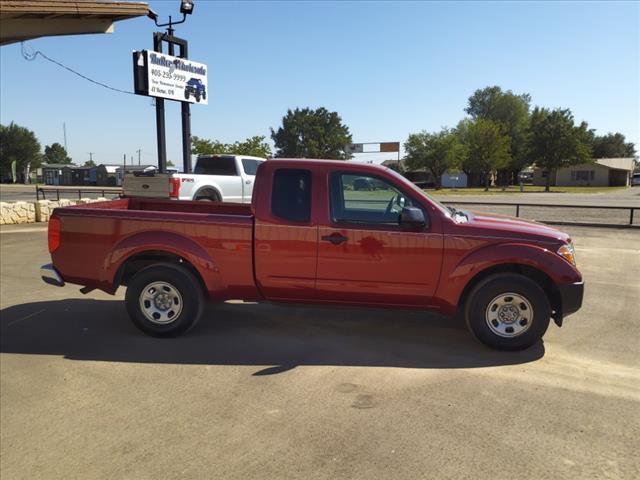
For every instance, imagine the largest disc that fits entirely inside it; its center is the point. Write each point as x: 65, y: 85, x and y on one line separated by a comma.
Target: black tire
x: 197, y: 97
x: 204, y: 95
x: 528, y: 322
x: 186, y: 306
x: 208, y: 196
x: 186, y: 95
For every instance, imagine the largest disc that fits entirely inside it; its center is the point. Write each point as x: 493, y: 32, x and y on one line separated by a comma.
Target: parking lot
x: 264, y: 391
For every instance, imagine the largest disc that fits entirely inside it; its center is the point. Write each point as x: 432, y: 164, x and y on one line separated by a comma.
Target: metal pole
x: 160, y: 127
x: 185, y: 110
x: 631, y: 217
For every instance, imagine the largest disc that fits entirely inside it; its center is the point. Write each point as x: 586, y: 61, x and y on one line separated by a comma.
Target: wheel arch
x: 138, y: 251
x: 136, y: 262
x: 208, y: 187
x: 535, y: 274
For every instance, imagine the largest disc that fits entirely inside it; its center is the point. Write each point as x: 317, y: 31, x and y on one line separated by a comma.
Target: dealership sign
x: 164, y: 76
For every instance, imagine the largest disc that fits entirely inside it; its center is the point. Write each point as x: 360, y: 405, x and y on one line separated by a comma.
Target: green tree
x: 254, y: 146
x: 511, y: 113
x: 56, y: 153
x: 170, y: 163
x: 554, y: 141
x: 19, y: 146
x: 436, y: 152
x: 612, y: 145
x: 486, y: 148
x: 89, y: 163
x: 307, y: 133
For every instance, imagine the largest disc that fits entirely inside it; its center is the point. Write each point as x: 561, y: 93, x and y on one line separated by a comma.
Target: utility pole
x: 91, y: 156
x: 124, y: 160
x: 64, y: 131
x: 139, y: 150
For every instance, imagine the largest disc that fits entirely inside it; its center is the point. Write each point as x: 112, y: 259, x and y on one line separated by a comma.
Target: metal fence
x: 594, y: 220
x: 87, y: 191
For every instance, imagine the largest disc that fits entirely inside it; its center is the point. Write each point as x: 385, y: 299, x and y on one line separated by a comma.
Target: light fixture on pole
x: 186, y: 8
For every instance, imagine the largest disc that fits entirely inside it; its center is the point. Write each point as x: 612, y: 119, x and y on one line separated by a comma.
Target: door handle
x: 334, y: 238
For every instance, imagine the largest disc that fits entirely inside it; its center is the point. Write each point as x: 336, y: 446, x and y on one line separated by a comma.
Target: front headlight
x: 567, y: 252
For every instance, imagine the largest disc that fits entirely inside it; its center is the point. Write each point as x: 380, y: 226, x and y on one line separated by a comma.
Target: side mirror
x: 412, y: 217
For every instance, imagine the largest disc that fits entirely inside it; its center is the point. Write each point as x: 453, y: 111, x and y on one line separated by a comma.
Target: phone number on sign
x: 173, y: 76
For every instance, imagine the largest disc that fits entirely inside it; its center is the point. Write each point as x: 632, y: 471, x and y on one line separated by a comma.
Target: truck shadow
x: 273, y: 338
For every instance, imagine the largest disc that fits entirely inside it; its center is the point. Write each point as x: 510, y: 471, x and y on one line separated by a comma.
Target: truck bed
x: 98, y: 239
x: 160, y: 205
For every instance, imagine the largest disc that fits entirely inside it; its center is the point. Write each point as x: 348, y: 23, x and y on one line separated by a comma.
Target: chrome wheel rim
x: 160, y: 303
x: 509, y: 315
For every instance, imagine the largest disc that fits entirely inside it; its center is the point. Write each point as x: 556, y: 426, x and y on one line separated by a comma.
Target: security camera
x: 152, y: 15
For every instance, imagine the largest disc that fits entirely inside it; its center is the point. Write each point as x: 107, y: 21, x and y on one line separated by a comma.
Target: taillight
x: 54, y: 234
x: 174, y: 183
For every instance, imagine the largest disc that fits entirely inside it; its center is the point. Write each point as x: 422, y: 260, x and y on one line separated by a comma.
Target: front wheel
x: 508, y: 312
x: 164, y: 300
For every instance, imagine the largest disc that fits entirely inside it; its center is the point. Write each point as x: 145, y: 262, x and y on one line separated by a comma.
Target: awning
x: 24, y: 20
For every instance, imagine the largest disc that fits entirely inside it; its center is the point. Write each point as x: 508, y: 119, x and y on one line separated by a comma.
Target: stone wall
x: 17, y: 212
x: 40, y: 211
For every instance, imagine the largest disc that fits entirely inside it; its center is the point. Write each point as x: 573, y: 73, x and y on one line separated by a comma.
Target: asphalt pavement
x: 259, y: 391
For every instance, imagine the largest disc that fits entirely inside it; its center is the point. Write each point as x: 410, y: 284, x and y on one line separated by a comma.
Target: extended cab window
x: 365, y: 199
x: 291, y: 194
x: 250, y: 166
x: 216, y: 166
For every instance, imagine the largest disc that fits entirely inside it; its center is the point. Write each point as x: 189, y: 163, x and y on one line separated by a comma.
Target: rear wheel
x: 508, y: 312
x: 164, y: 300
x: 208, y: 195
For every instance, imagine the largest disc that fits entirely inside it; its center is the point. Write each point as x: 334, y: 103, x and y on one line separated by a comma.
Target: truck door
x: 286, y: 235
x: 364, y: 255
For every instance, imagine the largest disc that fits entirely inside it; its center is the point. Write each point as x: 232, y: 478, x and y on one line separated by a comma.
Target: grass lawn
x: 516, y: 189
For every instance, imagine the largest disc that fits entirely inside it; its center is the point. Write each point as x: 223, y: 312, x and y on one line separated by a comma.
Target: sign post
x: 165, y: 76
x: 383, y: 147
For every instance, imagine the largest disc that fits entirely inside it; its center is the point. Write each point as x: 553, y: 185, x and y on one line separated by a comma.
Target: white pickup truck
x: 220, y: 178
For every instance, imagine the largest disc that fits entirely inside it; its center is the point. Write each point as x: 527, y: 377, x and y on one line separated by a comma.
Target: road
x: 263, y: 391
x: 629, y: 197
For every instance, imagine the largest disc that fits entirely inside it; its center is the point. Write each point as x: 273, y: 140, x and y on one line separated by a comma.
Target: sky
x: 388, y: 68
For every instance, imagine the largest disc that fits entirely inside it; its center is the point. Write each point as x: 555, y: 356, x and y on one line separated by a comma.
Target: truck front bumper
x: 50, y: 275
x: 571, y: 295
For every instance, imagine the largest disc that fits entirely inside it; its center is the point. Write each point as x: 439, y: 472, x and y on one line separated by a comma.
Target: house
x: 106, y: 175
x: 603, y: 172
x: 454, y: 180
x: 52, y: 173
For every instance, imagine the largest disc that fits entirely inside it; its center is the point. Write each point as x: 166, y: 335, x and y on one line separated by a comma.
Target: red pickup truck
x: 313, y: 235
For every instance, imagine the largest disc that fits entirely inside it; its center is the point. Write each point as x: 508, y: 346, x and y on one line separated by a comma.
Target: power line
x: 31, y: 55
